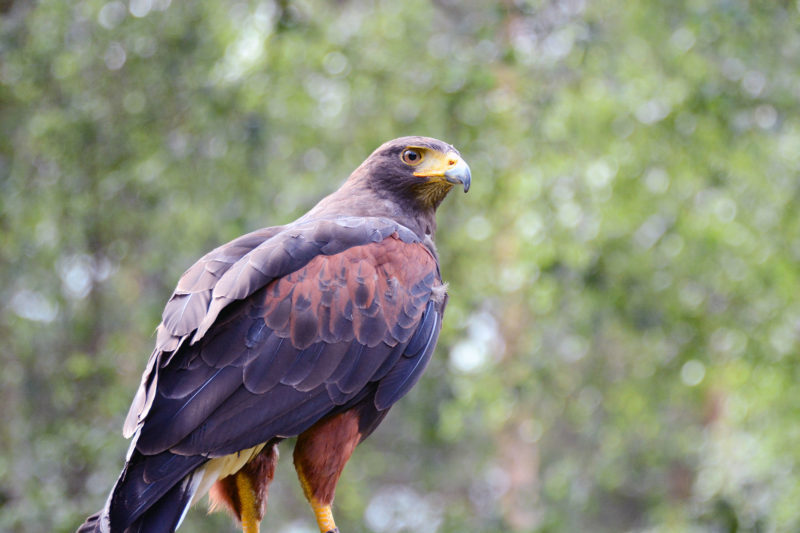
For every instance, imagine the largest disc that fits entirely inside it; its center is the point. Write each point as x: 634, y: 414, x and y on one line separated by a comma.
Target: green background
x: 620, y: 348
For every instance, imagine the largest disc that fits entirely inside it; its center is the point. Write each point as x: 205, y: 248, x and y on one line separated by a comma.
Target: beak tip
x: 460, y: 174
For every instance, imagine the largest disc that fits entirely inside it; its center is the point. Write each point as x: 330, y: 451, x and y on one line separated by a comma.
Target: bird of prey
x: 313, y: 329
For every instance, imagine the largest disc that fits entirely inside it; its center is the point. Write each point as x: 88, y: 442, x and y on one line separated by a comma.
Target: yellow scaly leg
x: 322, y: 512
x: 247, y: 499
x: 324, y: 517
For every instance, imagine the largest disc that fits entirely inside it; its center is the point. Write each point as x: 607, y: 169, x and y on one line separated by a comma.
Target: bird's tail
x: 94, y: 524
x: 152, y: 495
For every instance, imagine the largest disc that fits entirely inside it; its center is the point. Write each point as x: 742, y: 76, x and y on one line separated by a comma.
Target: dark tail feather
x: 151, y: 495
x: 167, y: 513
x: 163, y: 517
x: 92, y: 524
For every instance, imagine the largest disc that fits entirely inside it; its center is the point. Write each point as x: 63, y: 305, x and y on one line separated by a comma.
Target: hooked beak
x: 459, y: 174
x: 448, y: 167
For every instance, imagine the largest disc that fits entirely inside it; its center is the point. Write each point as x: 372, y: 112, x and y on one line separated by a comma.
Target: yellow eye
x: 412, y: 156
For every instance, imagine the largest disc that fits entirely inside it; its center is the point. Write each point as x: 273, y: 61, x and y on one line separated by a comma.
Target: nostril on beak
x: 452, y: 162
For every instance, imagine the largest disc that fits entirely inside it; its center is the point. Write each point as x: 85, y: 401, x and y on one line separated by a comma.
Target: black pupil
x: 412, y: 155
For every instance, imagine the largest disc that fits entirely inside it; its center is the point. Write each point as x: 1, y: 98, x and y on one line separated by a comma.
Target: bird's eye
x: 412, y: 156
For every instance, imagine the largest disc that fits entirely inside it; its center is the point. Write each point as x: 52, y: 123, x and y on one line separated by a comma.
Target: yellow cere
x: 436, y: 163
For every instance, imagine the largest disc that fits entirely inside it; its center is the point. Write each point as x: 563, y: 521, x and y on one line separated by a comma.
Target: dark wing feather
x: 234, y: 272
x: 174, y: 418
x: 185, y: 310
x: 305, y: 362
x: 266, y: 370
x: 189, y: 304
x: 311, y: 340
x: 407, y: 371
x: 324, y: 366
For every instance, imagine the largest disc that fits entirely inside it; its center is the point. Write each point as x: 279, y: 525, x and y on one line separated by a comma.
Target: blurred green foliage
x: 620, y: 351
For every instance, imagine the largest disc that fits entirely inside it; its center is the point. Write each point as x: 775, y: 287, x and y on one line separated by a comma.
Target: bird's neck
x: 353, y: 199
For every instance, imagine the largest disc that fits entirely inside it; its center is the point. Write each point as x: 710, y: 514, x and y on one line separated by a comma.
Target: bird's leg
x: 248, y: 508
x: 319, y: 457
x: 244, y: 493
x: 322, y: 511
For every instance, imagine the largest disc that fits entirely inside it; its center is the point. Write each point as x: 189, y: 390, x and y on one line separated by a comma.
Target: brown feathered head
x: 422, y: 169
x: 404, y: 179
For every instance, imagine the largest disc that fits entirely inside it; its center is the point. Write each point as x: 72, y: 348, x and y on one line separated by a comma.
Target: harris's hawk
x: 313, y: 329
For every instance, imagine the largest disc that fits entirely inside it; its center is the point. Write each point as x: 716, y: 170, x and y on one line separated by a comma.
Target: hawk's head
x: 420, y: 169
